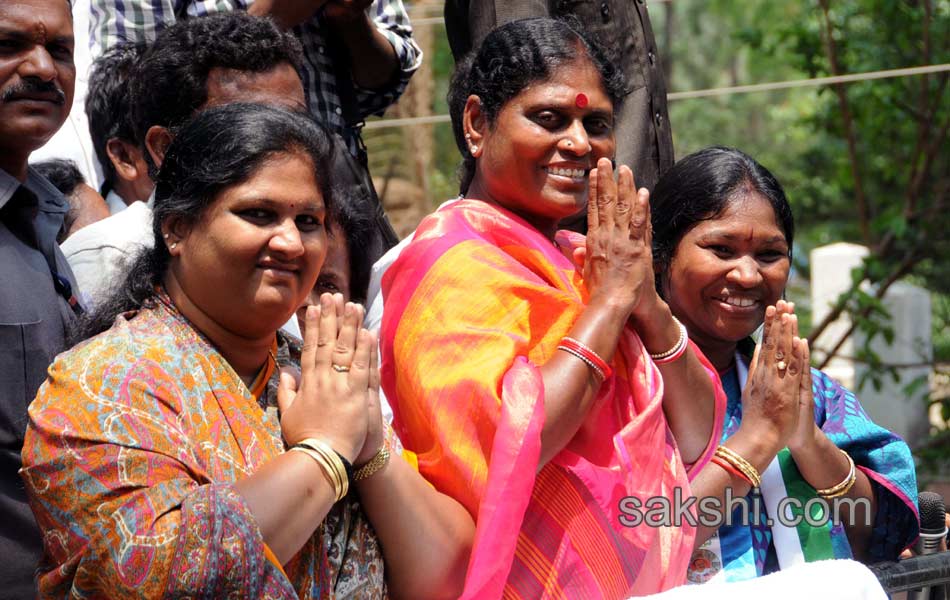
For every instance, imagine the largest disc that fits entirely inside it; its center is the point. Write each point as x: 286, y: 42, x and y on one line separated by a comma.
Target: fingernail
x: 326, y: 300
x: 312, y: 312
x: 348, y: 309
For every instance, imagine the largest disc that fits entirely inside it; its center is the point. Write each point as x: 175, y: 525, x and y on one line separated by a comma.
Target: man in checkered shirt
x: 373, y: 37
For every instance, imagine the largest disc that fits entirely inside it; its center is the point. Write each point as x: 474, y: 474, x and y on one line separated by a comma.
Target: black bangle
x: 347, y: 466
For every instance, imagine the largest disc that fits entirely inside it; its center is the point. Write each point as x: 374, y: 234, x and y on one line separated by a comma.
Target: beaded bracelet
x: 585, y: 353
x: 678, y: 349
x: 845, y: 486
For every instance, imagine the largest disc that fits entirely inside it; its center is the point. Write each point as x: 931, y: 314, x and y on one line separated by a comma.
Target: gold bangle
x: 332, y: 458
x: 338, y: 487
x: 736, y: 460
x: 374, y: 464
x: 339, y: 483
x: 733, y: 458
x: 845, y: 486
x: 335, y: 457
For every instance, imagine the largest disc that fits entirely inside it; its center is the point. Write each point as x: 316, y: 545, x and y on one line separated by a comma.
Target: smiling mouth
x: 279, y: 268
x: 577, y: 175
x: 738, y: 301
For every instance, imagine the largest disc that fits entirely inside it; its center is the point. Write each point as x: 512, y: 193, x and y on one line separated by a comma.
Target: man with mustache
x: 37, y: 299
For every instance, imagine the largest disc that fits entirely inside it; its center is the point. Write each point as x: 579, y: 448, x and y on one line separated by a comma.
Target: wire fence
x: 719, y: 91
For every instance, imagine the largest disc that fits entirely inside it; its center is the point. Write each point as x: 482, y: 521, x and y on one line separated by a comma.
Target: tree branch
x: 890, y: 238
x: 902, y: 269
x: 831, y: 52
x: 913, y: 257
x: 925, y: 127
x: 930, y: 152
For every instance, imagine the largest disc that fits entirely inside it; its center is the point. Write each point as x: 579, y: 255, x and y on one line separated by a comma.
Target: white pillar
x: 891, y: 406
x: 831, y: 268
x: 910, y: 310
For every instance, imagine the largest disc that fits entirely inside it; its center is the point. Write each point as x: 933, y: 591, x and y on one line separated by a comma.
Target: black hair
x: 512, y: 57
x: 699, y: 188
x: 219, y: 148
x: 63, y: 174
x: 108, y: 103
x: 356, y: 218
x: 171, y: 80
x: 65, y: 177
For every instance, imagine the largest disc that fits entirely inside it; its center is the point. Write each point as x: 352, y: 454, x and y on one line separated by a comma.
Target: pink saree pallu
x: 473, y: 306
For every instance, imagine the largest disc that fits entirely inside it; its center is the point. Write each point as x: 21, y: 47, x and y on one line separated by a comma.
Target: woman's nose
x: 745, y: 272
x: 576, y: 140
x: 287, y: 239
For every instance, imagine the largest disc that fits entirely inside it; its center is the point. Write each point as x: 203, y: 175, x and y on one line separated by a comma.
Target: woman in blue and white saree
x: 833, y: 486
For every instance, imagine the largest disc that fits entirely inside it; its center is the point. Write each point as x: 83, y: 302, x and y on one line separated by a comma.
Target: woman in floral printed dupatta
x: 157, y: 458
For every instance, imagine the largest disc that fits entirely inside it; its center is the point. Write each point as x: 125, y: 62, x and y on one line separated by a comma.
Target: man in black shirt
x: 37, y: 299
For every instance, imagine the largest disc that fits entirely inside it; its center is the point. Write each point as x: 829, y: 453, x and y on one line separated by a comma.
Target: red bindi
x: 581, y: 100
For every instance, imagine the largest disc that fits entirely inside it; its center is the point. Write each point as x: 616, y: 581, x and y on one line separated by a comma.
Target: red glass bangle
x: 729, y: 468
x: 582, y: 358
x: 586, y: 352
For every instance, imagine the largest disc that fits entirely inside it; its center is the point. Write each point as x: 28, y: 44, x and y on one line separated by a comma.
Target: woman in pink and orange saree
x: 542, y: 395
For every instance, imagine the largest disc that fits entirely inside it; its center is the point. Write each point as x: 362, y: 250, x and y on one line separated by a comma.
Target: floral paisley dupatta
x: 134, y: 444
x: 473, y: 305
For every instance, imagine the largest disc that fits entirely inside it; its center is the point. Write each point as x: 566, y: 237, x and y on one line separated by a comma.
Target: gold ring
x: 340, y: 368
x: 780, y: 365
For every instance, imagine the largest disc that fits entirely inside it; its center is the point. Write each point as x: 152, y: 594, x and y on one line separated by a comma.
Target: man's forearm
x: 373, y: 60
x: 287, y: 14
